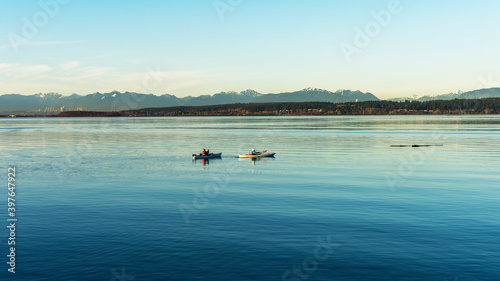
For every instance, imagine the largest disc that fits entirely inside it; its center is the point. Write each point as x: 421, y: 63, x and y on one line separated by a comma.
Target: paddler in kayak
x: 256, y: 152
x: 205, y: 152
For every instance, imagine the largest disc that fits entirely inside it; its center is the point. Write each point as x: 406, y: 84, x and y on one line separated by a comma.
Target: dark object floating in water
x: 415, y: 145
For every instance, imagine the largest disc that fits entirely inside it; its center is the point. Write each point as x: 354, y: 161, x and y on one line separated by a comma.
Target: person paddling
x: 205, y: 152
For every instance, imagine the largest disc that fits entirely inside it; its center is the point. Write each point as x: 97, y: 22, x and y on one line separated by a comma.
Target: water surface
x: 104, y: 198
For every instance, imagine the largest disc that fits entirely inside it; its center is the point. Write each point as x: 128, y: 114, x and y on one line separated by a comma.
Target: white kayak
x: 213, y: 155
x: 257, y: 155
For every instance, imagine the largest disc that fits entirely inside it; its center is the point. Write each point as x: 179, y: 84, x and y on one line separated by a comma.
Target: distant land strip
x: 434, y: 107
x: 456, y: 106
x: 89, y: 114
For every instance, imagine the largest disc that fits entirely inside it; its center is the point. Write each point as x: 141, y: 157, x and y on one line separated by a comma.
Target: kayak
x: 213, y: 155
x: 257, y: 155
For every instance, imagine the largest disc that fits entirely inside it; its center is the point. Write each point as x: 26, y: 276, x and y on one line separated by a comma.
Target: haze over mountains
x: 476, y: 94
x: 53, y: 103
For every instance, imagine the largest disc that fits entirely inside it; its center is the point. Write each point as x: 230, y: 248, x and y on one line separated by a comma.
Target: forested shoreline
x: 457, y: 106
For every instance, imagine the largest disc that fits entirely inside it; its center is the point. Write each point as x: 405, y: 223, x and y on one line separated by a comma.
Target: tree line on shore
x: 457, y: 106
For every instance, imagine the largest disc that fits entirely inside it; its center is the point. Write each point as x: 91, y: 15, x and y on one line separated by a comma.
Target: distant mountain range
x: 477, y: 94
x: 54, y: 103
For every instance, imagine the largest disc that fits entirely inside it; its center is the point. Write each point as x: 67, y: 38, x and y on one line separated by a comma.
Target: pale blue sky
x: 190, y: 48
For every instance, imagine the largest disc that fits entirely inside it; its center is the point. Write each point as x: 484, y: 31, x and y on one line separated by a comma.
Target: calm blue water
x: 121, y: 199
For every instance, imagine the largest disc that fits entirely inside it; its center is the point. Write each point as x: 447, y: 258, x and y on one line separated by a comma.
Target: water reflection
x: 264, y: 160
x: 206, y: 161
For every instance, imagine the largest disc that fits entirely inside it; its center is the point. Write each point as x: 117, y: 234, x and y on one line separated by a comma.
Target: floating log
x: 415, y: 145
